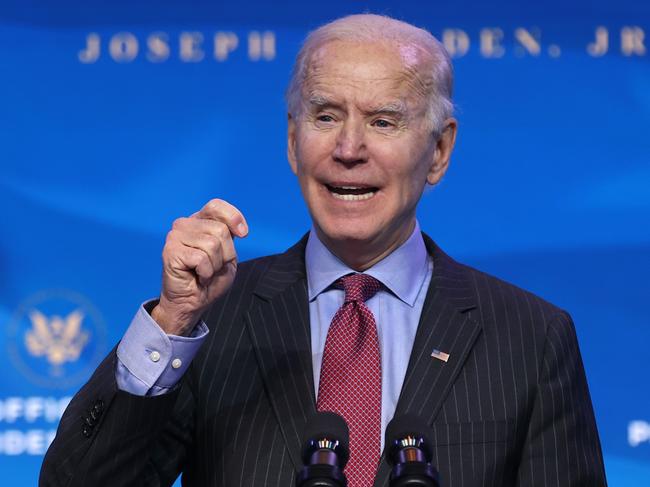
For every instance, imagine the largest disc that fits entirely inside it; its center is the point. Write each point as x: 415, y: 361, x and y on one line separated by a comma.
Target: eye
x: 382, y: 123
x: 325, y: 118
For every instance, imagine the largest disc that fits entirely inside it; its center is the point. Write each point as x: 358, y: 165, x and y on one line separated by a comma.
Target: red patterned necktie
x: 350, y: 376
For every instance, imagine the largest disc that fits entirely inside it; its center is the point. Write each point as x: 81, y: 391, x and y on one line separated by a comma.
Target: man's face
x: 362, y: 146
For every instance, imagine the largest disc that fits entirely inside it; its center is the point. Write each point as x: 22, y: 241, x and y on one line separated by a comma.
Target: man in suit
x: 364, y: 316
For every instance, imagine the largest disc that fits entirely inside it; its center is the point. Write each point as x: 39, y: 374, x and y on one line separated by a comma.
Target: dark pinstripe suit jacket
x: 510, y: 407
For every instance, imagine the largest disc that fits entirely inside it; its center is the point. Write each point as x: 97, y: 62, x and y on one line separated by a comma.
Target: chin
x: 351, y: 231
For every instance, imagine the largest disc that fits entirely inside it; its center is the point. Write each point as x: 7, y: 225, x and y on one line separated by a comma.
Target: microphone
x: 409, y: 453
x: 325, y: 451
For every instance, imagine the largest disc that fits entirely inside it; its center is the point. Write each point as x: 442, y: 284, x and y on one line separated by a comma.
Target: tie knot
x: 358, y: 287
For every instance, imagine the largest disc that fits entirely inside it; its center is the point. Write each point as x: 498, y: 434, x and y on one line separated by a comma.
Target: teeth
x: 353, y: 197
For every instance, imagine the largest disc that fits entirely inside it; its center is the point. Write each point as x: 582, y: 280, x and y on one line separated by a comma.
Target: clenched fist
x: 199, y: 264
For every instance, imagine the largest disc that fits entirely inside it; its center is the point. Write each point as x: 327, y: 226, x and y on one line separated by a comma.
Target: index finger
x: 226, y: 213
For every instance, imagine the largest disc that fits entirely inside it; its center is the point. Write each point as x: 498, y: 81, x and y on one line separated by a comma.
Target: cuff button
x: 176, y: 363
x: 98, y: 407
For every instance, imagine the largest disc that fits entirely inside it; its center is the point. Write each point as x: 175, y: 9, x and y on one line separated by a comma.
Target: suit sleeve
x: 562, y: 446
x: 111, y: 437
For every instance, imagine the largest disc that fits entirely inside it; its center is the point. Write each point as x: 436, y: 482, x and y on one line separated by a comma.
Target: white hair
x: 373, y: 28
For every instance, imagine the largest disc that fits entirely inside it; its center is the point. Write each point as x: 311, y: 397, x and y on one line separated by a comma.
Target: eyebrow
x: 320, y: 101
x: 396, y: 107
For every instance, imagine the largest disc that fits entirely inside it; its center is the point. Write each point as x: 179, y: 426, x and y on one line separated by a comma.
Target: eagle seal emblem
x: 56, y: 338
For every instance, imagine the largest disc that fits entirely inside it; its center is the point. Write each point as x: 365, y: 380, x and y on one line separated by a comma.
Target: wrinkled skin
x: 363, y: 123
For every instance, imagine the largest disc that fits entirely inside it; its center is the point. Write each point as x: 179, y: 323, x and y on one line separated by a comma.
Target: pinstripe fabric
x: 510, y: 408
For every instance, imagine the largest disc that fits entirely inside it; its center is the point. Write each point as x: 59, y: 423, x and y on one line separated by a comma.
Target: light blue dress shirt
x: 405, y: 274
x: 151, y: 362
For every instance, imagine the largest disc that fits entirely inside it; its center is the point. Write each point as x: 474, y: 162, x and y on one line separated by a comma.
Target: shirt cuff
x: 150, y: 361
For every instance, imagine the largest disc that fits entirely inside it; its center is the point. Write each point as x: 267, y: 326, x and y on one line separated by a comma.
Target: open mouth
x: 352, y: 193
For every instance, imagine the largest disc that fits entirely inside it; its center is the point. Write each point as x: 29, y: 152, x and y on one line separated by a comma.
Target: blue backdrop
x: 116, y: 118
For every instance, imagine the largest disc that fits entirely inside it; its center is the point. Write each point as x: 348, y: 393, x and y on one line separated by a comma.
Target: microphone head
x: 408, y: 430
x: 326, y: 426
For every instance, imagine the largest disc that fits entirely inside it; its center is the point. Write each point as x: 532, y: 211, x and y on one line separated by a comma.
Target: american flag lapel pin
x: 440, y: 355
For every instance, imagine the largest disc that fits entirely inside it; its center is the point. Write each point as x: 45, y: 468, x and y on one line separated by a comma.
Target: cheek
x: 407, y: 173
x: 402, y: 163
x: 311, y: 151
x: 421, y: 156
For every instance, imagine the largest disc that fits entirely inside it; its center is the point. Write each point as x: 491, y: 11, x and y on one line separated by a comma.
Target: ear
x: 442, y: 153
x: 291, y: 143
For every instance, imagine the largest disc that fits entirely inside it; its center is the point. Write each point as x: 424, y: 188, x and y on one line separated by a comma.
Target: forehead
x: 366, y: 70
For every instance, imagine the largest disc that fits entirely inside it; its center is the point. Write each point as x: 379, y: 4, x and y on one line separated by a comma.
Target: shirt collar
x: 403, y: 271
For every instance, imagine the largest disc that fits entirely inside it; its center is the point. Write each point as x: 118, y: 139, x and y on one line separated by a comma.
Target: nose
x: 350, y: 143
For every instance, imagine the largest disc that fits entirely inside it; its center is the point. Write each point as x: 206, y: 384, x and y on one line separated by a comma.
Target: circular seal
x: 56, y: 338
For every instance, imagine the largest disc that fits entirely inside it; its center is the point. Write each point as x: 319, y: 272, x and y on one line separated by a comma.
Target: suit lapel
x: 280, y: 331
x: 445, y: 325
x: 279, y: 327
